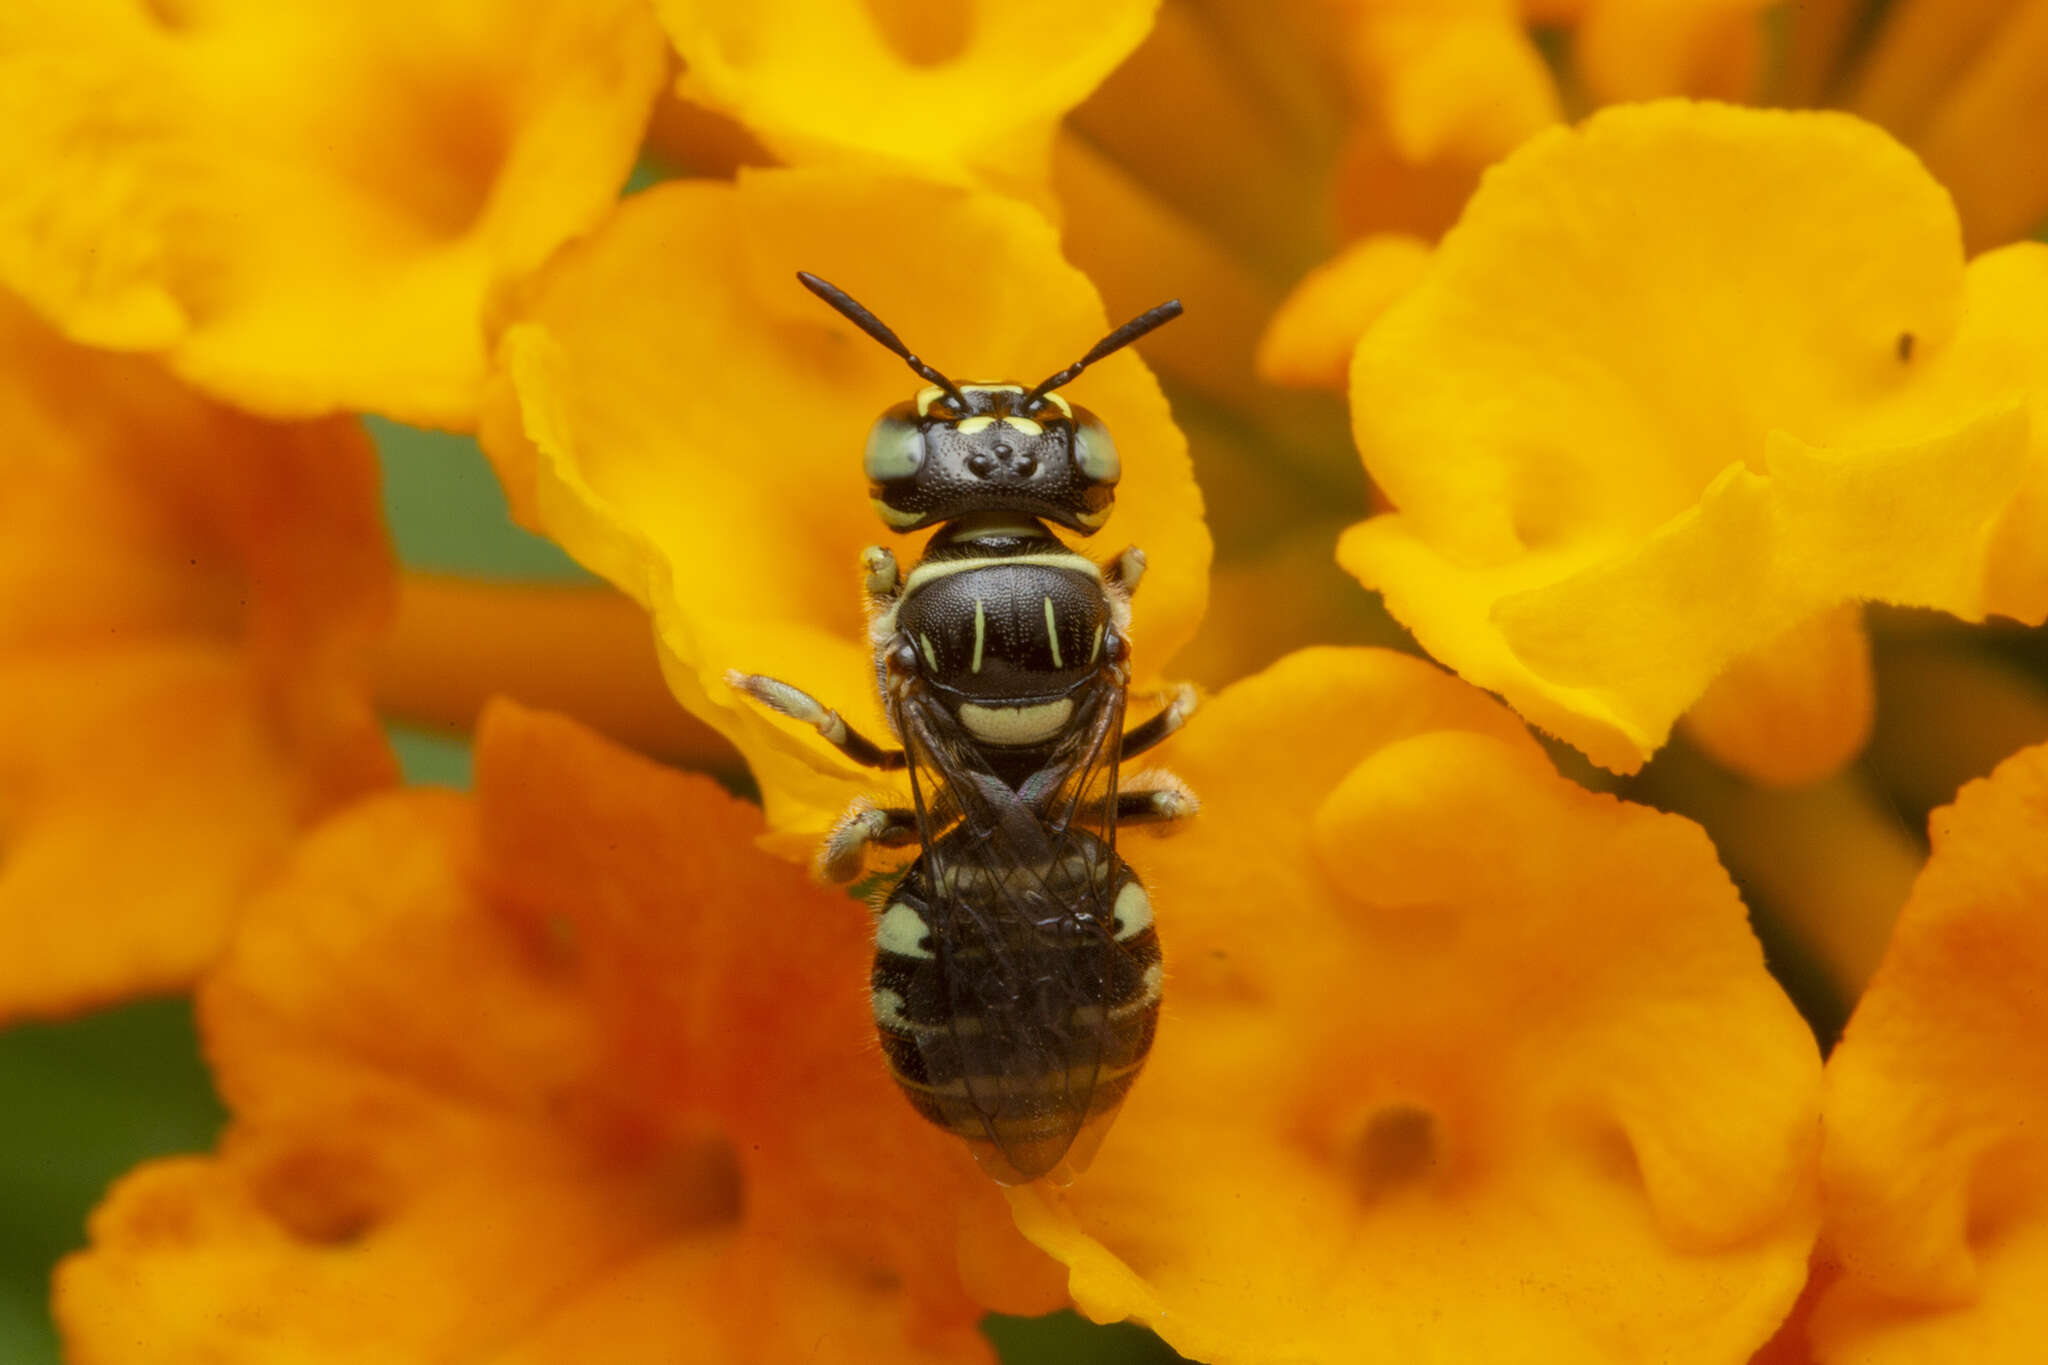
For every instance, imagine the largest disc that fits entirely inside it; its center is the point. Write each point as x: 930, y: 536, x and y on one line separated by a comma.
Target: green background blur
x: 81, y: 1102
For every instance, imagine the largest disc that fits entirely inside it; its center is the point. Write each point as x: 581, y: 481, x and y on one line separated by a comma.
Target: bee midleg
x: 800, y: 705
x: 1178, y: 708
x: 1154, y: 797
x: 844, y: 852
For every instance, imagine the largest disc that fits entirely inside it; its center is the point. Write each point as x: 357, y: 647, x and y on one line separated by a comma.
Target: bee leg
x: 883, y: 575
x: 800, y: 705
x: 1154, y: 798
x: 844, y: 852
x: 1178, y: 708
x: 1125, y: 570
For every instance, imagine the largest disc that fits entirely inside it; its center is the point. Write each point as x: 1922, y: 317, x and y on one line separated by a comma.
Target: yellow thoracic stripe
x: 1055, y: 559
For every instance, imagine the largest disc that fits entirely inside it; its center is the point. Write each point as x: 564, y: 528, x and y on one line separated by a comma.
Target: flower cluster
x: 1468, y: 1049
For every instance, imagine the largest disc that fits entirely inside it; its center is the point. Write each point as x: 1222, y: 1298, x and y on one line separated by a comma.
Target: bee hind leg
x: 865, y: 824
x: 1155, y: 798
x: 800, y: 705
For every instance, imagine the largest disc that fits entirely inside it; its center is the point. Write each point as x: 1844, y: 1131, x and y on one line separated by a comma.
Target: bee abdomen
x: 1006, y: 1066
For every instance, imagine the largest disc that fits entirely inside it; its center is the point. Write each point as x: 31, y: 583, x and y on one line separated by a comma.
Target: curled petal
x: 688, y: 422
x: 1499, y: 1056
x: 307, y: 207
x: 1611, y: 486
x: 1310, y: 340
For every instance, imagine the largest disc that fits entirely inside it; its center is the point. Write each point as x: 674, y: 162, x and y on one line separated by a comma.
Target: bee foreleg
x: 1126, y: 569
x: 1179, y: 706
x: 844, y: 852
x: 883, y: 575
x: 800, y: 705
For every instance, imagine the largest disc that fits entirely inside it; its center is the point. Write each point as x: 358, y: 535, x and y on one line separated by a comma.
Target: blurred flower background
x: 1711, y: 438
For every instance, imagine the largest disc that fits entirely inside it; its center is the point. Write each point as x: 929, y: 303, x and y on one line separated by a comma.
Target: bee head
x: 962, y: 448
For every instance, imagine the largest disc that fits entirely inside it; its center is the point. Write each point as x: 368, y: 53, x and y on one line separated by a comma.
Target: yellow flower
x: 688, y: 422
x: 1935, y: 1110
x: 566, y: 1071
x: 1650, y: 440
x: 1459, y: 1061
x: 864, y: 83
x: 308, y: 207
x: 189, y: 596
x: 1441, y: 91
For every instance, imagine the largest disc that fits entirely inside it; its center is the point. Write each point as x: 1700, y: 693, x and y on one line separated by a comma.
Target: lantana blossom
x: 187, y: 600
x: 1459, y: 1061
x: 1935, y: 1109
x: 1439, y: 92
x: 567, y: 1070
x: 845, y: 81
x: 1648, y: 441
x: 311, y: 206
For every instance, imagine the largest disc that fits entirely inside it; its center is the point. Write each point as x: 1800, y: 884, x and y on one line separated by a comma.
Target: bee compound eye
x: 1095, y: 454
x: 895, y: 450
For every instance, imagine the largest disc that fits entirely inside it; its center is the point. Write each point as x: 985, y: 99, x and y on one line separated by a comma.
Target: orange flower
x: 564, y: 1072
x: 308, y: 207
x: 1649, y: 442
x: 189, y: 595
x: 1935, y: 1162
x: 1458, y: 1060
x: 688, y: 422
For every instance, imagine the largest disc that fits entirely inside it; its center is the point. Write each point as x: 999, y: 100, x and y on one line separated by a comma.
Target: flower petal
x: 1612, y: 485
x: 1310, y: 340
x: 570, y: 1062
x: 846, y: 81
x: 1642, y: 49
x: 203, y: 586
x: 1959, y: 83
x: 1936, y: 1107
x: 1795, y: 709
x: 298, y: 244
x: 687, y: 421
x: 1499, y: 1056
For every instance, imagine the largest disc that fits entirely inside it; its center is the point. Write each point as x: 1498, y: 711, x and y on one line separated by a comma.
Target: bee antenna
x: 860, y: 317
x: 1115, y: 341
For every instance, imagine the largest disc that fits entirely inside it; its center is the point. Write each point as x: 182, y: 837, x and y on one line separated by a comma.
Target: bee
x: 1017, y: 971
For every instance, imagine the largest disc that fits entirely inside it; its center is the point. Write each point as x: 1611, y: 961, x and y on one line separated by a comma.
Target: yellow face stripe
x: 931, y: 656
x: 1052, y: 634
x: 980, y: 630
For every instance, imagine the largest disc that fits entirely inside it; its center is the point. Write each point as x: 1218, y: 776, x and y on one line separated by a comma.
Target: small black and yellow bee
x: 1017, y: 972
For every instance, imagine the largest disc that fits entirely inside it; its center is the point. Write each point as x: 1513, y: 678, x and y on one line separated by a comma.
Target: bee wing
x: 1020, y: 927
